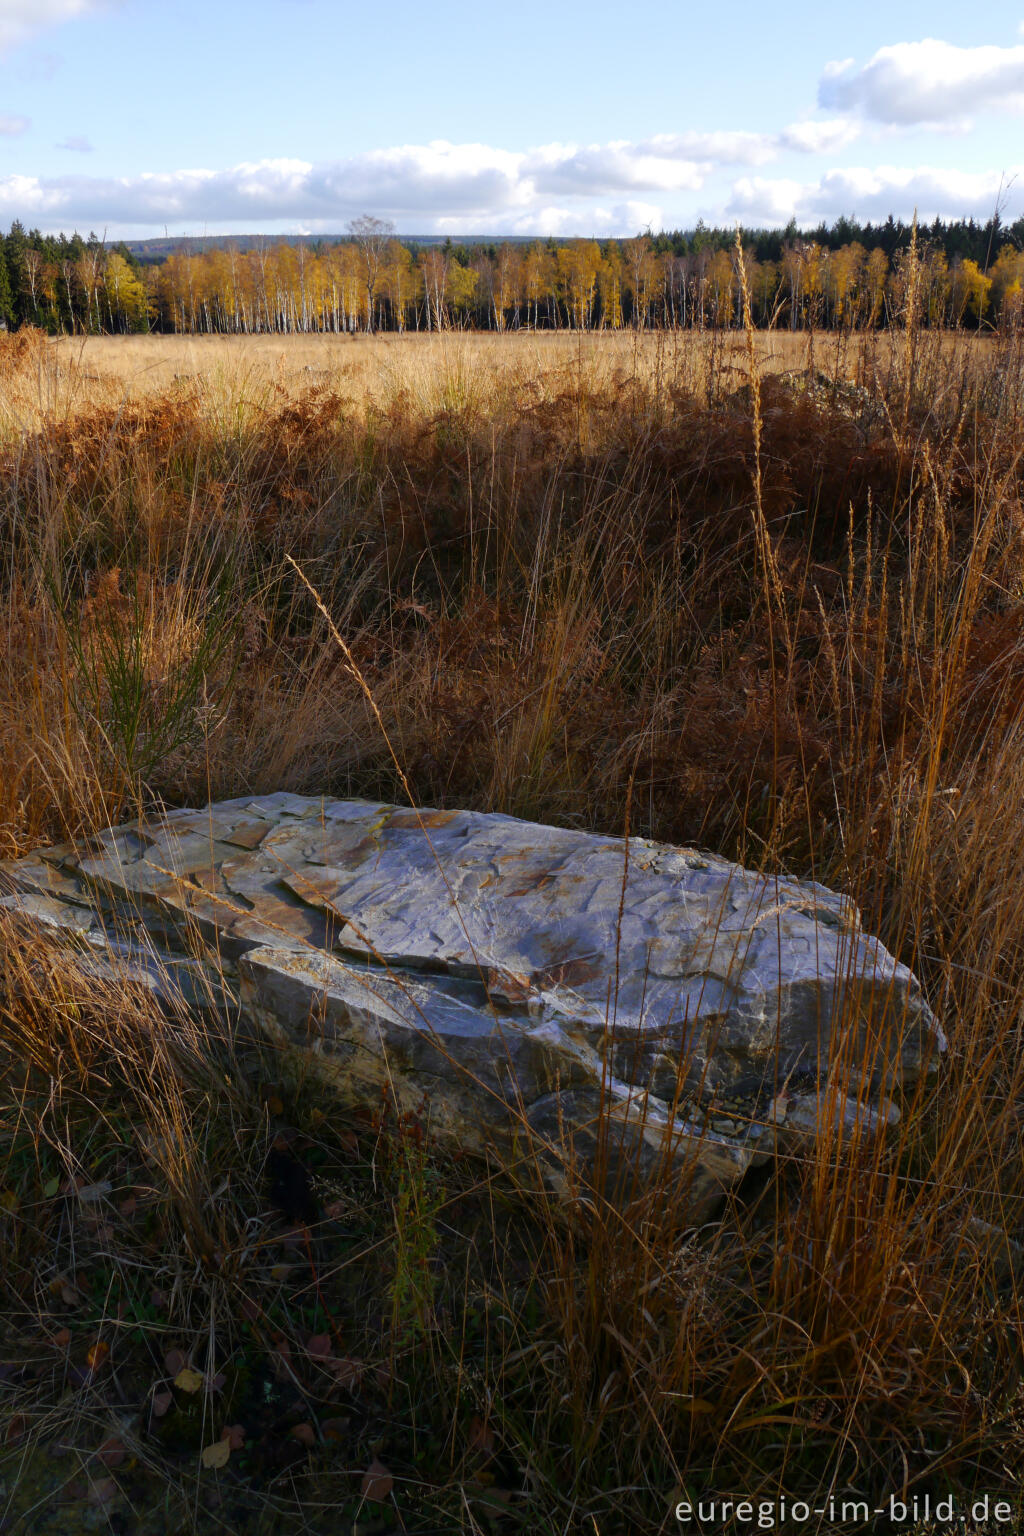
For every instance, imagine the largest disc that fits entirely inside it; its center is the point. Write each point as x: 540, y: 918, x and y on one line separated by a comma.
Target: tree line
x: 844, y: 275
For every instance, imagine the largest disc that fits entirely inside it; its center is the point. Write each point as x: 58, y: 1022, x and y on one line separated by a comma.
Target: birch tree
x: 372, y: 237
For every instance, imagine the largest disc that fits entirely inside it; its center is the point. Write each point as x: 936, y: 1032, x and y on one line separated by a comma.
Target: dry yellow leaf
x: 188, y: 1380
x: 217, y: 1454
x: 97, y: 1354
x: 377, y: 1482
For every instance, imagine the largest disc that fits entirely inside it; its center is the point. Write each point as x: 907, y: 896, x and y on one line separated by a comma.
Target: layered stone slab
x: 595, y: 1007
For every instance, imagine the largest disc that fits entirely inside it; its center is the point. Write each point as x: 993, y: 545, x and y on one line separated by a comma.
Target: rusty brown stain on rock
x: 569, y: 973
x: 247, y: 834
x: 413, y: 821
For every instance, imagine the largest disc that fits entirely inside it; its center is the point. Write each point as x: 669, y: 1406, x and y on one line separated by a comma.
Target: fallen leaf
x: 318, y: 1345
x: 69, y: 1295
x: 90, y: 1193
x: 97, y: 1355
x: 495, y: 1499
x: 188, y: 1380
x: 62, y: 1338
x: 161, y: 1403
x: 217, y: 1454
x: 174, y: 1361
x: 377, y: 1482
x: 346, y: 1372
x: 9, y: 1200
x: 234, y: 1434
x: 304, y: 1433
x: 335, y: 1430
x: 102, y: 1490
x: 128, y: 1207
x: 281, y: 1271
x: 112, y: 1452
x: 216, y: 1383
x: 274, y: 1105
x: 481, y: 1436
x: 51, y: 1188
x: 16, y: 1426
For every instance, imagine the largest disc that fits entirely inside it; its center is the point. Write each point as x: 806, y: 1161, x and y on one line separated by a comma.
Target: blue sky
x: 127, y: 116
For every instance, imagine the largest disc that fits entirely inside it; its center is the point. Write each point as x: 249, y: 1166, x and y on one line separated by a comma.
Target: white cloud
x: 11, y: 125
x: 819, y: 138
x: 77, y: 142
x: 594, y: 187
x: 598, y: 169
x: 726, y: 146
x: 626, y: 218
x: 412, y: 184
x: 926, y: 82
x: 420, y: 179
x: 837, y: 67
x: 673, y: 162
x: 22, y: 19
x: 867, y: 192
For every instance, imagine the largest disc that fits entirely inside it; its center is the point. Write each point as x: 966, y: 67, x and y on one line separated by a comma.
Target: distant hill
x: 169, y: 245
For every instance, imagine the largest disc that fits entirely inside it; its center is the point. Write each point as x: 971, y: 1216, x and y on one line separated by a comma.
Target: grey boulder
x: 600, y: 1011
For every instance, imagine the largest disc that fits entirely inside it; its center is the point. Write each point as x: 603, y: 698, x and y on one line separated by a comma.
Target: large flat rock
x: 590, y: 1005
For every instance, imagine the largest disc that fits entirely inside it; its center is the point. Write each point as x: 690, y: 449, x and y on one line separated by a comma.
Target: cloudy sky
x: 551, y: 116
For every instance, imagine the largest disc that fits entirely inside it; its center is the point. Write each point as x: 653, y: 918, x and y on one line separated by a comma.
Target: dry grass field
x: 68, y: 374
x: 765, y: 595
